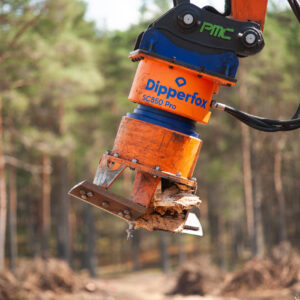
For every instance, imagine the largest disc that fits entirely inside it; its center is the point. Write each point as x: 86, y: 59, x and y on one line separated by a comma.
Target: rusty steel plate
x: 108, y: 201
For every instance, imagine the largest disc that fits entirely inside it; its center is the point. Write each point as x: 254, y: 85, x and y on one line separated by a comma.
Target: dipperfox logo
x: 170, y: 93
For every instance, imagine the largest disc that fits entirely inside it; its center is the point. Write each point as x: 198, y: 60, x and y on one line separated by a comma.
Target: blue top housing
x: 225, y: 64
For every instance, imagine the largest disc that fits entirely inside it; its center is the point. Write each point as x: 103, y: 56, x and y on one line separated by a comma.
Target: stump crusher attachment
x: 183, y: 58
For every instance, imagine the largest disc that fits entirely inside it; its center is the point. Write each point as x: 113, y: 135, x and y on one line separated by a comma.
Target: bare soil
x: 277, y: 278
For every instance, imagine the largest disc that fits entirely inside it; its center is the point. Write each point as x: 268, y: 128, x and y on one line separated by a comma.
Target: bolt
x: 178, y: 174
x: 188, y: 19
x: 157, y: 168
x: 120, y: 213
x: 111, y: 163
x: 250, y: 38
x: 135, y: 161
x: 116, y: 155
x: 128, y: 217
x: 84, y: 197
x: 199, y: 23
x: 127, y: 212
x: 90, y: 194
x: 82, y: 192
x: 108, y: 152
x: 105, y: 204
x: 194, y: 178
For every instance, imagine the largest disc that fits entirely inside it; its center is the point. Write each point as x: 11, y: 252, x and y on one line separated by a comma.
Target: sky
x: 119, y: 14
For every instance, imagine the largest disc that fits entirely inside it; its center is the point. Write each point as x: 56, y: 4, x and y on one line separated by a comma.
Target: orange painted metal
x: 174, y: 88
x: 250, y: 10
x: 155, y: 146
x: 144, y: 188
x: 121, y: 164
x: 153, y: 151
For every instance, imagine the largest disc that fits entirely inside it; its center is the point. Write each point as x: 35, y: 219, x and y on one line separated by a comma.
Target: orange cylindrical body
x: 154, y: 146
x: 175, y: 88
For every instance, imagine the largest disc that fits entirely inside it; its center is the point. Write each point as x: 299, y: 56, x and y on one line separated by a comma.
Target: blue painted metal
x: 165, y: 119
x: 225, y: 64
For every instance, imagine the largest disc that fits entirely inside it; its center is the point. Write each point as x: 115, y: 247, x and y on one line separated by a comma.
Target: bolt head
x: 188, y: 19
x: 250, y: 38
x: 116, y: 155
x: 105, y: 204
x: 135, y: 161
x: 178, y: 174
x: 108, y: 152
x: 82, y: 192
x: 157, y: 168
x: 90, y: 194
x: 83, y: 197
x: 127, y: 212
x: 121, y: 214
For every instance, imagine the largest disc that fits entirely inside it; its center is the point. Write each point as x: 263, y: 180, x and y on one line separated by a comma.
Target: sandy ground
x: 152, y: 286
x: 39, y: 280
x: 138, y: 286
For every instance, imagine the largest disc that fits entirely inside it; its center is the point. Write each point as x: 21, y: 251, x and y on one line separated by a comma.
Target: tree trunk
x: 13, y: 217
x: 33, y: 212
x: 247, y: 168
x: 237, y: 243
x: 222, y: 253
x: 258, y: 224
x: 164, y: 245
x: 90, y: 260
x: 135, y: 250
x: 3, y: 200
x: 62, y: 208
x: 62, y: 199
x: 215, y: 228
x: 181, y: 250
x: 248, y: 186
x: 279, y: 191
x: 45, y: 209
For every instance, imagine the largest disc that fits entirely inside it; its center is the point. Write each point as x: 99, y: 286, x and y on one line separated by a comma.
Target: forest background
x: 63, y: 90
